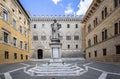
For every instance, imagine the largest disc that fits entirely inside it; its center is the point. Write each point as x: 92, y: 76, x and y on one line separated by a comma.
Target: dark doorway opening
x: 40, y: 53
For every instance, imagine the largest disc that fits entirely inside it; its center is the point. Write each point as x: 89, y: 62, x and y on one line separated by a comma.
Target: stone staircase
x: 55, y: 69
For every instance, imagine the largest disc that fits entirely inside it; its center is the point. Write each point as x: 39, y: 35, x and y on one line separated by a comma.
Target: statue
x: 55, y: 30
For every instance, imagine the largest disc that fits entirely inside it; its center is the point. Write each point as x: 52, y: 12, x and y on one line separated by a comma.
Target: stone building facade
x: 70, y: 35
x: 102, y: 31
x: 14, y: 32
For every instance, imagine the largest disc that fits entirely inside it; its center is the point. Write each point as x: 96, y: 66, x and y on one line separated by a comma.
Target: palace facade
x: 14, y: 32
x: 70, y: 36
x: 102, y: 31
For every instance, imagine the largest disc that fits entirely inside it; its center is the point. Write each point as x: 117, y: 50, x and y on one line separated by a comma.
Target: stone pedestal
x: 55, y: 52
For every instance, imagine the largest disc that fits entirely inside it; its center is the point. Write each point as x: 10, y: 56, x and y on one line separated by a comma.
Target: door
x: 40, y: 53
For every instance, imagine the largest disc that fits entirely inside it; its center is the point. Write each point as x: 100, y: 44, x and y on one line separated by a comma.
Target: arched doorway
x: 40, y: 53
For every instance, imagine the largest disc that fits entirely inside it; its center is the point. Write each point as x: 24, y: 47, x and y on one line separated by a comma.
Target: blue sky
x: 56, y: 7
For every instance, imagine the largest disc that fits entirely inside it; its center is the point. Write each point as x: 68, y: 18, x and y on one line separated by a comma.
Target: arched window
x: 35, y: 36
x: 95, y: 39
x: 43, y: 36
x: 76, y: 36
x: 104, y: 13
x: 5, y: 14
x: 68, y: 36
x: 104, y: 34
x: 89, y: 28
x: 89, y: 43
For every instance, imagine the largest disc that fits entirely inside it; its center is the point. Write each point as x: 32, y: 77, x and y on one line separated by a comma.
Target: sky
x: 56, y: 7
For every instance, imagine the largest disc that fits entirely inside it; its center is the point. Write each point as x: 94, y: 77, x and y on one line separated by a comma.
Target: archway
x: 40, y: 53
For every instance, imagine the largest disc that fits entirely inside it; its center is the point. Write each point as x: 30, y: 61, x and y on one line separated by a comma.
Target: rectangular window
x: 14, y: 41
x: 89, y: 43
x: 76, y: 25
x: 43, y: 37
x: 15, y: 55
x: 102, y: 14
x: 25, y: 33
x: 35, y: 38
x: 105, y: 34
x: 6, y: 55
x: 34, y: 25
x: 14, y: 23
x: 119, y: 27
x: 115, y: 3
x: 104, y: 52
x: 6, y: 37
x: 20, y: 29
x: 21, y: 44
x: 5, y: 15
x: 26, y: 57
x: 68, y: 46
x: 116, y: 28
x: 68, y: 25
x: 43, y: 25
x: 95, y: 53
x: 102, y: 35
x: 26, y: 46
x: 21, y: 56
x: 118, y: 49
x: 89, y: 54
x: 94, y: 22
x: 106, y: 11
x: 76, y: 37
x: 76, y: 46
x: 68, y: 37
x: 89, y: 28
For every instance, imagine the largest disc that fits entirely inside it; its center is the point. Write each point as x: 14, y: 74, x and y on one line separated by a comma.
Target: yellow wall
x: 14, y: 32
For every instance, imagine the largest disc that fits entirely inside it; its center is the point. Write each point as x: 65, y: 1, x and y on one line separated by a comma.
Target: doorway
x: 40, y: 53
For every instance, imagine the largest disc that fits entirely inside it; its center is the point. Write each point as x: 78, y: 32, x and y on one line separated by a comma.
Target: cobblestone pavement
x: 94, y: 70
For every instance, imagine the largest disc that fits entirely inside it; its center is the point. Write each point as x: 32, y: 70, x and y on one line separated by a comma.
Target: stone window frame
x: 68, y: 36
x: 6, y: 11
x: 8, y: 38
x: 21, y: 44
x: 95, y: 53
x: 76, y: 36
x: 26, y: 46
x: 43, y: 25
x: 76, y: 25
x: 21, y: 56
x: 21, y: 29
x: 26, y: 57
x: 104, y: 12
x: 15, y: 45
x: 68, y: 25
x: 35, y: 36
x: 77, y: 46
x: 116, y: 3
x: 117, y: 47
x: 68, y: 46
x: 89, y: 54
x: 14, y: 23
x: 34, y: 26
x: 6, y: 55
x: 95, y: 38
x: 104, y: 51
x: 89, y: 43
x: 15, y: 55
x: 89, y: 28
x: 43, y: 36
x: 104, y: 34
x: 117, y: 28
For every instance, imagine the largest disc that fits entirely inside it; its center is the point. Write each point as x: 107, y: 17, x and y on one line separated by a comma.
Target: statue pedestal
x: 55, y: 52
